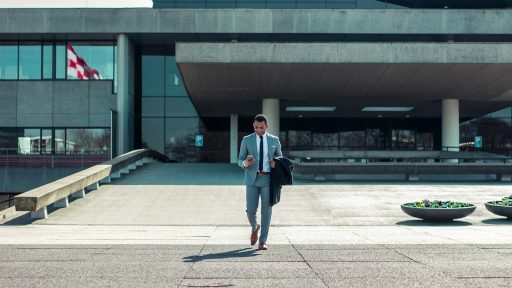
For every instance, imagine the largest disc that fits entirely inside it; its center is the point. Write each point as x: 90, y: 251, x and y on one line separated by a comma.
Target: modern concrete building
x: 186, y: 77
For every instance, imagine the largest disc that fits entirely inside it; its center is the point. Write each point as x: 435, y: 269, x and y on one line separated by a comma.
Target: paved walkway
x: 153, y: 228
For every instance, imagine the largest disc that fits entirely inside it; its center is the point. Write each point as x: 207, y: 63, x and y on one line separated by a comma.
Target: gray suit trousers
x: 253, y: 193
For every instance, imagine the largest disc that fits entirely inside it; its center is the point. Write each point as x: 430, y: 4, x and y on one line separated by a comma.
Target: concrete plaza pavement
x: 184, y: 225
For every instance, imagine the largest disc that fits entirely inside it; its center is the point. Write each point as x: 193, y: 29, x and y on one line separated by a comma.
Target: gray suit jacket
x: 248, y: 146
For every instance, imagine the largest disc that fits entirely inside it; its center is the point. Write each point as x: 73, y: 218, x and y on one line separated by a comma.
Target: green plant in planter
x: 437, y: 204
x: 506, y: 201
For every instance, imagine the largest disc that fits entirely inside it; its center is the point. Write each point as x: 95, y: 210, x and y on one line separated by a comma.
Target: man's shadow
x: 239, y: 253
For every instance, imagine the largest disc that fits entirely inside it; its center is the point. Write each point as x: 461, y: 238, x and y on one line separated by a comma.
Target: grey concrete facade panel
x: 8, y: 120
x: 34, y: 97
x: 99, y: 120
x: 99, y: 96
x: 34, y: 120
x: 358, y: 21
x: 70, y: 120
x: 71, y: 97
x: 8, y: 91
x: 56, y: 103
x: 343, y: 53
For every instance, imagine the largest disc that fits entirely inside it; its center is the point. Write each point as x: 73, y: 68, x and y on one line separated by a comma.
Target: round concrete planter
x: 438, y: 214
x: 501, y: 210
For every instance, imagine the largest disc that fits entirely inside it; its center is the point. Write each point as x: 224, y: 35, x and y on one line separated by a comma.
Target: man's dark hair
x: 261, y: 118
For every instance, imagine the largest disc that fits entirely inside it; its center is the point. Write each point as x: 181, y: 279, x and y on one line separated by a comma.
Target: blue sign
x: 478, y: 141
x: 199, y: 140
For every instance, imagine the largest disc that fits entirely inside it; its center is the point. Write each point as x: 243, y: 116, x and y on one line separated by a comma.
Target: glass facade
x: 36, y: 141
x: 495, y: 130
x: 47, y: 60
x: 168, y: 120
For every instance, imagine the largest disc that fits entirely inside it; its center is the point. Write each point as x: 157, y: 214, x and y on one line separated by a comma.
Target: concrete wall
x: 56, y: 103
x: 147, y: 20
x: 344, y: 52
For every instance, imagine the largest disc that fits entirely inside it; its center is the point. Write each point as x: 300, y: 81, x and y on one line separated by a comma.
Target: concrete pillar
x: 123, y: 95
x: 450, y: 126
x: 233, y: 139
x: 79, y: 194
x: 271, y: 110
x: 62, y: 203
x: 39, y: 214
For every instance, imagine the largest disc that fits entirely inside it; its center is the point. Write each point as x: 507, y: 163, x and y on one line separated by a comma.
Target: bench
x: 57, y: 192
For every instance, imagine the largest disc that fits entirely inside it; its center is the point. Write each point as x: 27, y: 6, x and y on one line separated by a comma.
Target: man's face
x: 259, y: 127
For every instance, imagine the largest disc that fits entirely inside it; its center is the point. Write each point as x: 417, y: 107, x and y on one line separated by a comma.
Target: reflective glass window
x: 153, y: 73
x: 8, y: 61
x: 179, y: 107
x: 29, y: 142
x: 30, y: 62
x: 299, y: 139
x: 180, y: 136
x: 60, y: 61
x: 352, y: 140
x: 325, y: 141
x: 46, y: 141
x: 92, y: 61
x: 153, y: 134
x: 87, y: 141
x: 60, y: 141
x: 8, y: 140
x: 47, y: 61
x: 153, y: 106
x: 173, y: 82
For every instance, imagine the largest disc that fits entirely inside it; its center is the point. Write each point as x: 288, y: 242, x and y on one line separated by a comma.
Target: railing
x: 72, y: 159
x: 375, y: 156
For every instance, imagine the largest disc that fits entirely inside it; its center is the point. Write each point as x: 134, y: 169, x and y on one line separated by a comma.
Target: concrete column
x: 271, y: 110
x: 233, y: 139
x: 123, y: 99
x: 450, y: 128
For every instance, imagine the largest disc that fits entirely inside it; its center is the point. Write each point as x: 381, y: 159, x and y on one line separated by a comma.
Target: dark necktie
x: 260, y: 164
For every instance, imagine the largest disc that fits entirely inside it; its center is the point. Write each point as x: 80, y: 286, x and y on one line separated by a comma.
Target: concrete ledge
x: 6, y: 213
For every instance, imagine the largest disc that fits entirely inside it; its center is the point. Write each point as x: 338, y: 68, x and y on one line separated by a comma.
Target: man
x: 257, y: 152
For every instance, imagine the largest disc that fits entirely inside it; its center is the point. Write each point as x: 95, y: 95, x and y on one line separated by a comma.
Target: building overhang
x: 225, y: 78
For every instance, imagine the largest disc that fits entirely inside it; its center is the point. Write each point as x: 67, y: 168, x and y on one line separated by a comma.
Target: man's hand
x: 272, y: 164
x: 249, y: 160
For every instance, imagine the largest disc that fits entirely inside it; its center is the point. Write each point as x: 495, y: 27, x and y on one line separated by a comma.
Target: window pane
x: 299, y: 139
x: 8, y: 140
x: 60, y: 138
x: 352, y: 140
x: 153, y: 106
x: 152, y: 134
x: 60, y: 61
x: 173, y: 81
x: 87, y: 141
x: 180, y: 136
x: 30, y: 62
x: 8, y: 62
x: 325, y: 141
x: 46, y: 141
x: 29, y: 142
x: 47, y: 61
x: 98, y: 61
x: 153, y: 75
x: 179, y: 107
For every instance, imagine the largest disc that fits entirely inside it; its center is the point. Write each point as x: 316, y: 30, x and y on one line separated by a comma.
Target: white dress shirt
x: 266, y: 164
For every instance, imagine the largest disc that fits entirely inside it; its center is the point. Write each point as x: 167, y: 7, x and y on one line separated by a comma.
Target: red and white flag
x: 78, y: 68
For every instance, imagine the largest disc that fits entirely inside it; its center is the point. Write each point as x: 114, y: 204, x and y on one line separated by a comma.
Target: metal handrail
x: 10, y: 157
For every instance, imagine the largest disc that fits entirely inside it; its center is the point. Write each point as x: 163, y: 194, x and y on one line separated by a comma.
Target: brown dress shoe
x: 262, y: 246
x: 254, y: 235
